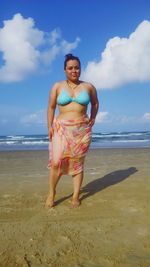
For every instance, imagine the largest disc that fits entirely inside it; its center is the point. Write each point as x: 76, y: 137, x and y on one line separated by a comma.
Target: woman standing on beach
x: 71, y: 131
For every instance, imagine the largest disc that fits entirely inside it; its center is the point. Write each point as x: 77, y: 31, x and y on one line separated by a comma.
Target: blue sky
x: 112, y: 39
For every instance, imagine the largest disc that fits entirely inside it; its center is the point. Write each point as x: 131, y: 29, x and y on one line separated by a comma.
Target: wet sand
x: 111, y: 228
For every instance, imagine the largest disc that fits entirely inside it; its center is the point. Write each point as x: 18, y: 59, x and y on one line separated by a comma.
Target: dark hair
x: 71, y: 57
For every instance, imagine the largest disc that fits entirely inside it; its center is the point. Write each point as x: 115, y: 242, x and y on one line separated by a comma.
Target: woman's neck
x: 73, y: 84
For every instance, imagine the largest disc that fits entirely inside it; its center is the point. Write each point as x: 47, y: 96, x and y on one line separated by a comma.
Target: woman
x: 70, y: 132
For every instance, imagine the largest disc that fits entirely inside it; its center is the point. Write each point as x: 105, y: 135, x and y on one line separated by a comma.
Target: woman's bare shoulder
x: 57, y: 85
x: 88, y: 86
x: 60, y: 83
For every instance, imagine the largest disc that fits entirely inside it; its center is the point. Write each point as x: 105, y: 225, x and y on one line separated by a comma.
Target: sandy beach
x: 111, y: 228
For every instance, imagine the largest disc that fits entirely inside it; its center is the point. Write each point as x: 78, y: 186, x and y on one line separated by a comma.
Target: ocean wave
x: 130, y: 141
x: 107, y: 139
x: 15, y: 136
x: 34, y: 142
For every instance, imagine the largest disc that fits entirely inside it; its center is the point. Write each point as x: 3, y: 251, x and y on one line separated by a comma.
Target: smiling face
x: 73, y: 70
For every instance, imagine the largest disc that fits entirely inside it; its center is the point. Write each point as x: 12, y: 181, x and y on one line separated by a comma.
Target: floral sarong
x: 69, y: 144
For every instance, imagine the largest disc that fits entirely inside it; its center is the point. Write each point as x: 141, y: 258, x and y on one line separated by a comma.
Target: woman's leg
x: 53, y: 180
x: 77, y: 182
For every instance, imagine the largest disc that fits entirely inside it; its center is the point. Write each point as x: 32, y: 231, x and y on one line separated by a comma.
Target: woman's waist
x: 71, y: 115
x: 72, y: 120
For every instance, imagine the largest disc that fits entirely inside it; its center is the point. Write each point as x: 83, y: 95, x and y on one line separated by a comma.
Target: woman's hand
x: 50, y: 133
x: 91, y: 122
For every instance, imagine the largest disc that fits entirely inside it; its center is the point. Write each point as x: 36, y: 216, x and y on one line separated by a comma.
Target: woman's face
x: 73, y: 70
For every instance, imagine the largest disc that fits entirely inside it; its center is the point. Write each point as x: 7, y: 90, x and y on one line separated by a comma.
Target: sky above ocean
x: 112, y: 39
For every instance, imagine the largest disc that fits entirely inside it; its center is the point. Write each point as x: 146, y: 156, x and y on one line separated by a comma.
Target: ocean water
x: 99, y: 140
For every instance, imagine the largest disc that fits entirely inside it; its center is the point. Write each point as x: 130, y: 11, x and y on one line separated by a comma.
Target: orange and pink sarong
x: 69, y: 144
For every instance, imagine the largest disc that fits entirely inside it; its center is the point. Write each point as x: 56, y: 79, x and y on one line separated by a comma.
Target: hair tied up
x: 68, y: 56
x: 71, y: 57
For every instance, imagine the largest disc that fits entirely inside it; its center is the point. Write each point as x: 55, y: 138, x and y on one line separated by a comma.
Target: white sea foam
x: 112, y: 139
x: 15, y: 136
x: 34, y: 142
x: 129, y: 141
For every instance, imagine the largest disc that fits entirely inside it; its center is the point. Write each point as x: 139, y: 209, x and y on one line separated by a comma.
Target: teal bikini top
x: 82, y: 98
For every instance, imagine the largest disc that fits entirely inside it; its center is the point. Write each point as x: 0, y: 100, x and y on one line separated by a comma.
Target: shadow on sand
x: 106, y: 181
x: 101, y: 183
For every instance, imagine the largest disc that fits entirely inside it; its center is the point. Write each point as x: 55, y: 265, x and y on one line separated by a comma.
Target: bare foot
x: 75, y: 203
x: 50, y: 201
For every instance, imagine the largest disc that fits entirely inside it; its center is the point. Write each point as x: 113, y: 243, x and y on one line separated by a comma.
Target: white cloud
x: 127, y: 119
x: 101, y: 117
x: 39, y: 117
x: 67, y: 47
x: 24, y: 48
x: 19, y: 40
x: 49, y: 55
x: 124, y: 60
x: 60, y: 46
x: 54, y: 36
x: 146, y: 117
x: 106, y: 117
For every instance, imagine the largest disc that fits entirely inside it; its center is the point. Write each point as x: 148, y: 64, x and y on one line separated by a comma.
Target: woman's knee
x: 55, y: 165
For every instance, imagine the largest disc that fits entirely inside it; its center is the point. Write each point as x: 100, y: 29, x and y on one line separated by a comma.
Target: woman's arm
x: 94, y: 105
x: 51, y: 109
